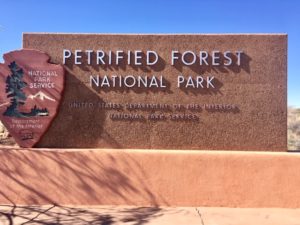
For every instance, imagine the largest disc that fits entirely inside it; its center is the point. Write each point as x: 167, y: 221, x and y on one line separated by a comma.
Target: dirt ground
x: 114, y: 215
x: 293, y: 128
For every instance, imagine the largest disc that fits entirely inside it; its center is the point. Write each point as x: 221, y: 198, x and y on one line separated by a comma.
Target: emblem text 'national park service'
x: 30, y: 93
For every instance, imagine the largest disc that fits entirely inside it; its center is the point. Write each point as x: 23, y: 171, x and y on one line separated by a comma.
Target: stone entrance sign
x: 214, y: 92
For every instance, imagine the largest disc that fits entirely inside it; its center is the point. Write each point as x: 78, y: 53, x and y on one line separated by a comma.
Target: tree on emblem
x: 14, y: 86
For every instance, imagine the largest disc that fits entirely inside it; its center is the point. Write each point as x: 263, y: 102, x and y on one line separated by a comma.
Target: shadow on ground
x: 55, y: 214
x: 41, y: 179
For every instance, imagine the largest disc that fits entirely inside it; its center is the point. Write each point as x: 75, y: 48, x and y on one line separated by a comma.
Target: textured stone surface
x: 257, y: 88
x: 30, y: 92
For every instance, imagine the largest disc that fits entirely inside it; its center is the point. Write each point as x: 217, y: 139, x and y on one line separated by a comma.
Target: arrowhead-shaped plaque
x: 30, y: 93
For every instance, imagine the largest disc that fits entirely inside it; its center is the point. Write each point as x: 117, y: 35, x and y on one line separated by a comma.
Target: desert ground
x: 293, y: 128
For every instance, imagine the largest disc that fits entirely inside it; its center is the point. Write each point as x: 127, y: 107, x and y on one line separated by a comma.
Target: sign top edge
x: 148, y: 34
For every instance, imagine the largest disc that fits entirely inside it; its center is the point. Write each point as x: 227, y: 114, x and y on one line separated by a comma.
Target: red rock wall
x: 143, y: 177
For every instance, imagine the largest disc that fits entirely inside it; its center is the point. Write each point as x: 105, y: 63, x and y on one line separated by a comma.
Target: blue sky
x: 164, y: 16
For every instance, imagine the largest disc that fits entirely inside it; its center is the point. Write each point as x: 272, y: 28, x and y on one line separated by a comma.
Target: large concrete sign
x: 215, y: 92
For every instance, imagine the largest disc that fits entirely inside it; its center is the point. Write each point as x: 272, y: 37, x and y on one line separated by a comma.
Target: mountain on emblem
x: 29, y: 98
x: 42, y: 96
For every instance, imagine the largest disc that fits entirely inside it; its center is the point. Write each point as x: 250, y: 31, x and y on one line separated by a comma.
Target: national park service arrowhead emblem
x: 30, y: 93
